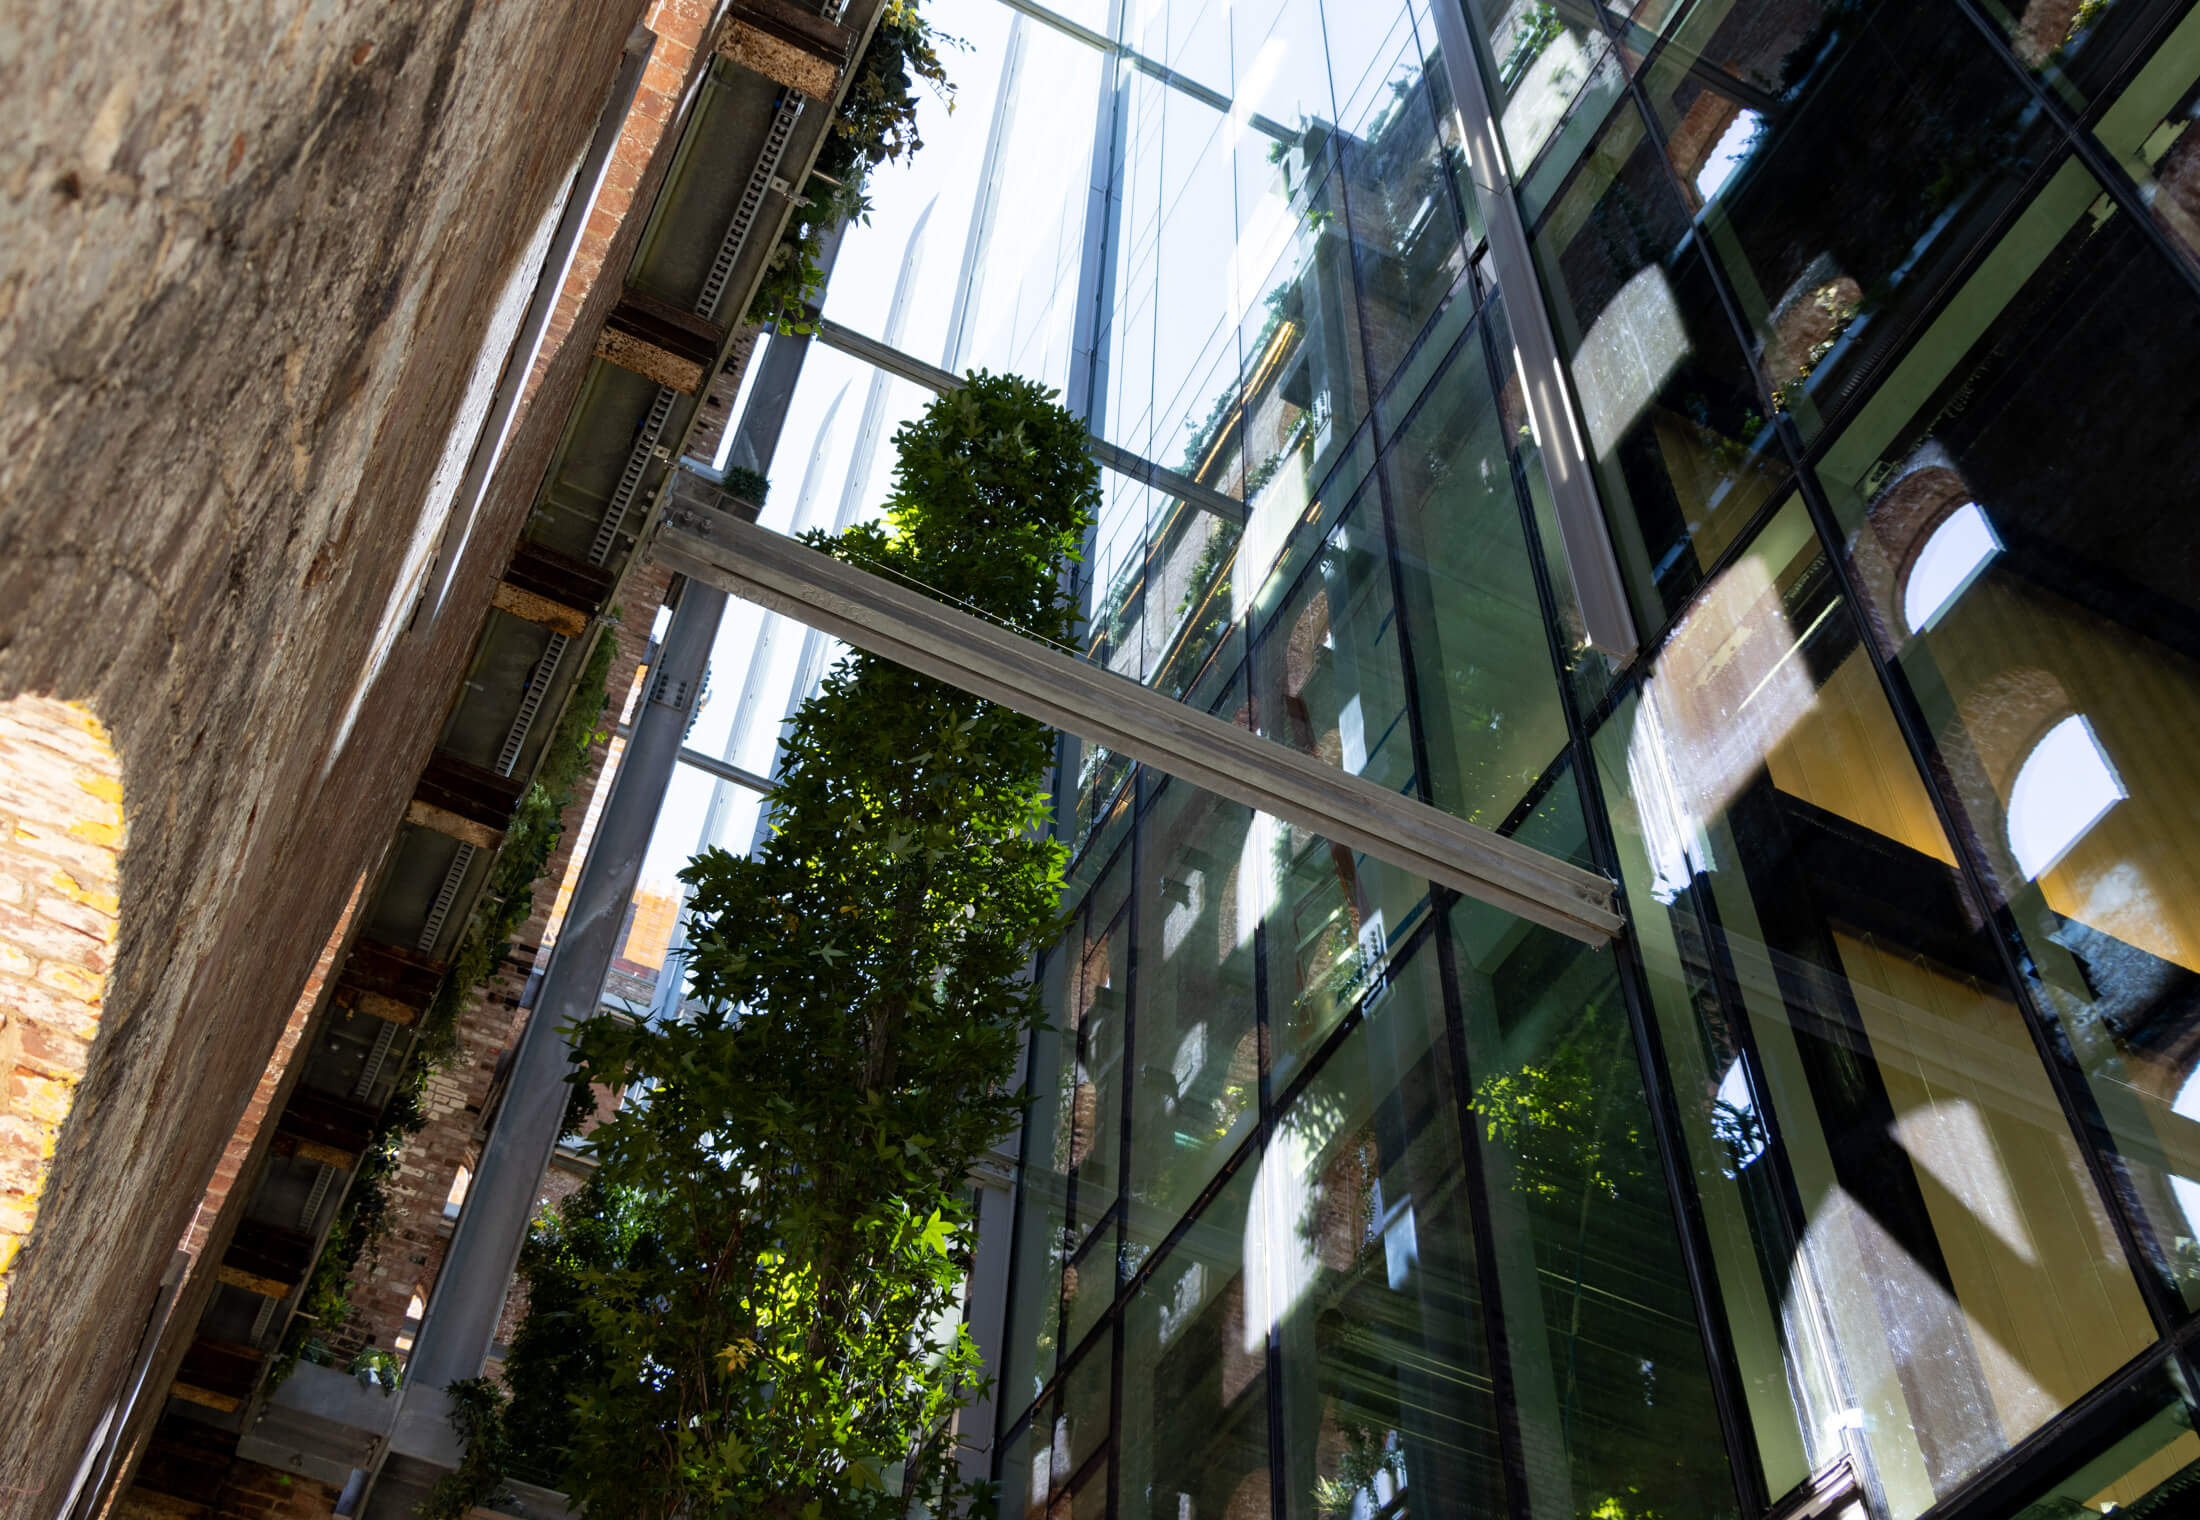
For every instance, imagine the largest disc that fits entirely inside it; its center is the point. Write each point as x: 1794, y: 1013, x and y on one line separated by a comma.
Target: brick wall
x: 679, y: 27
x: 411, y: 1253
x: 61, y: 840
x: 238, y: 1153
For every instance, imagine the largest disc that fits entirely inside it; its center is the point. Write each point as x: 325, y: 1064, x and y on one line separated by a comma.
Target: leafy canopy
x: 751, y: 1310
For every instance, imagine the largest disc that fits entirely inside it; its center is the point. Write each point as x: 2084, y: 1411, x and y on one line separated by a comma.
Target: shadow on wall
x: 61, y: 841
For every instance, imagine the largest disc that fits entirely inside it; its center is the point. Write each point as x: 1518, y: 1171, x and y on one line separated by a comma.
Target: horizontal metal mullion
x: 1111, y: 456
x: 875, y: 614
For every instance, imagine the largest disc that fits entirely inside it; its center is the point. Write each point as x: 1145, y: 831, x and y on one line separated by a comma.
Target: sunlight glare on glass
x: 1959, y: 549
x: 2062, y: 789
x: 1728, y: 154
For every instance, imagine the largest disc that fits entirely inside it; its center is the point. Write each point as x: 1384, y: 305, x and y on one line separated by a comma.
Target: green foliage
x: 1560, y: 1112
x: 324, y: 1308
x: 751, y: 1309
x: 477, y: 1407
x: 876, y: 121
x: 746, y: 484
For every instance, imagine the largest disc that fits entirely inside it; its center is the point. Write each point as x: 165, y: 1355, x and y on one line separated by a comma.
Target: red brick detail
x: 239, y: 1149
x: 679, y: 26
x: 61, y: 840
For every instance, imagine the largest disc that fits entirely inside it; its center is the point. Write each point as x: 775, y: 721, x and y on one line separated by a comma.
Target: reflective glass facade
x: 1869, y: 1148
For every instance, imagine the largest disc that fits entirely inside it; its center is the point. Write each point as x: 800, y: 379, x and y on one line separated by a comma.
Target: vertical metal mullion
x: 1496, y: 1346
x: 1118, y: 1340
x: 1728, y: 1394
x: 1279, y: 1472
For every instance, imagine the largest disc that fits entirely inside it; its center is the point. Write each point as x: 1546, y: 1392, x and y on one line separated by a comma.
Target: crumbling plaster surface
x: 247, y: 256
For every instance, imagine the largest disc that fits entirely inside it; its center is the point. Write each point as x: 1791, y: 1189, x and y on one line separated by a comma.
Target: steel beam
x: 469, y: 1292
x: 874, y: 614
x: 1167, y: 481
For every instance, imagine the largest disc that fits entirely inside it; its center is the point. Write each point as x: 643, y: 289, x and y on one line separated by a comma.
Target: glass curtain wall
x: 1870, y: 1146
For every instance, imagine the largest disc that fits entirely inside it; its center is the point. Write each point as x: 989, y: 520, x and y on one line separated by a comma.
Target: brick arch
x: 61, y: 842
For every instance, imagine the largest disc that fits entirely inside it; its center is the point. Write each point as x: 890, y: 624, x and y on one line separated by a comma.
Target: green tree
x: 760, y: 1286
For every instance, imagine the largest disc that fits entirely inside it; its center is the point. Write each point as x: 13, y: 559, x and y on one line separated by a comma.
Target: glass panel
x: 1033, y: 1335
x: 1081, y: 1424
x: 1332, y: 919
x: 1024, y: 1472
x: 1550, y: 67
x: 1096, y: 1109
x: 1827, y: 267
x: 1195, y: 1408
x: 1404, y: 214
x: 1329, y: 676
x: 1088, y: 1288
x: 2023, y: 531
x: 1369, y: 1267
x: 1675, y: 419
x: 1608, y: 1371
x: 1305, y: 385
x: 2151, y: 1473
x: 1892, y: 1194
x: 1489, y: 707
x: 1201, y: 882
x: 2150, y: 130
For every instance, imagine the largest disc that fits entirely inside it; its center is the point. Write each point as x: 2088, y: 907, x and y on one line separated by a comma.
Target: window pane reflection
x: 1195, y: 1402
x: 1201, y: 884
x: 1893, y: 1198
x: 1388, y: 1399
x: 2061, y: 683
x: 1675, y: 421
x: 1608, y: 1371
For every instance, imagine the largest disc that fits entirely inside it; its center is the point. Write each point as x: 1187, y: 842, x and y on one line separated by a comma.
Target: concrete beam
x: 786, y: 45
x: 875, y: 614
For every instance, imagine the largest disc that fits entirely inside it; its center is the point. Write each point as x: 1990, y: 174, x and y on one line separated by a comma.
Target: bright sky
x: 932, y: 196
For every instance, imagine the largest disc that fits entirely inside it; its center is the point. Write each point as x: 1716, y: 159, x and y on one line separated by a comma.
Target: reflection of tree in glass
x: 1557, y: 1116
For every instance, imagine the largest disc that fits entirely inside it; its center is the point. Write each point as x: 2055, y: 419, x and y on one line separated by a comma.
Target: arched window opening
x: 2062, y: 789
x: 1954, y: 556
x: 456, y: 1199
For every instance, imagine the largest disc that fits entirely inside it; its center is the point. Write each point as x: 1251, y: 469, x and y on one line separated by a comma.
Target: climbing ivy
x: 876, y: 121
x: 324, y: 1308
x: 750, y: 1311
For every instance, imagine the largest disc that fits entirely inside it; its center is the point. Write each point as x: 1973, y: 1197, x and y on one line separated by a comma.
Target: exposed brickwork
x: 411, y: 1253
x: 678, y: 25
x: 61, y: 839
x: 190, y: 1473
x: 237, y: 1155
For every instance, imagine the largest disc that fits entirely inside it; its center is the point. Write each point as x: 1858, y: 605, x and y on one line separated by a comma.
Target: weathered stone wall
x: 248, y: 254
